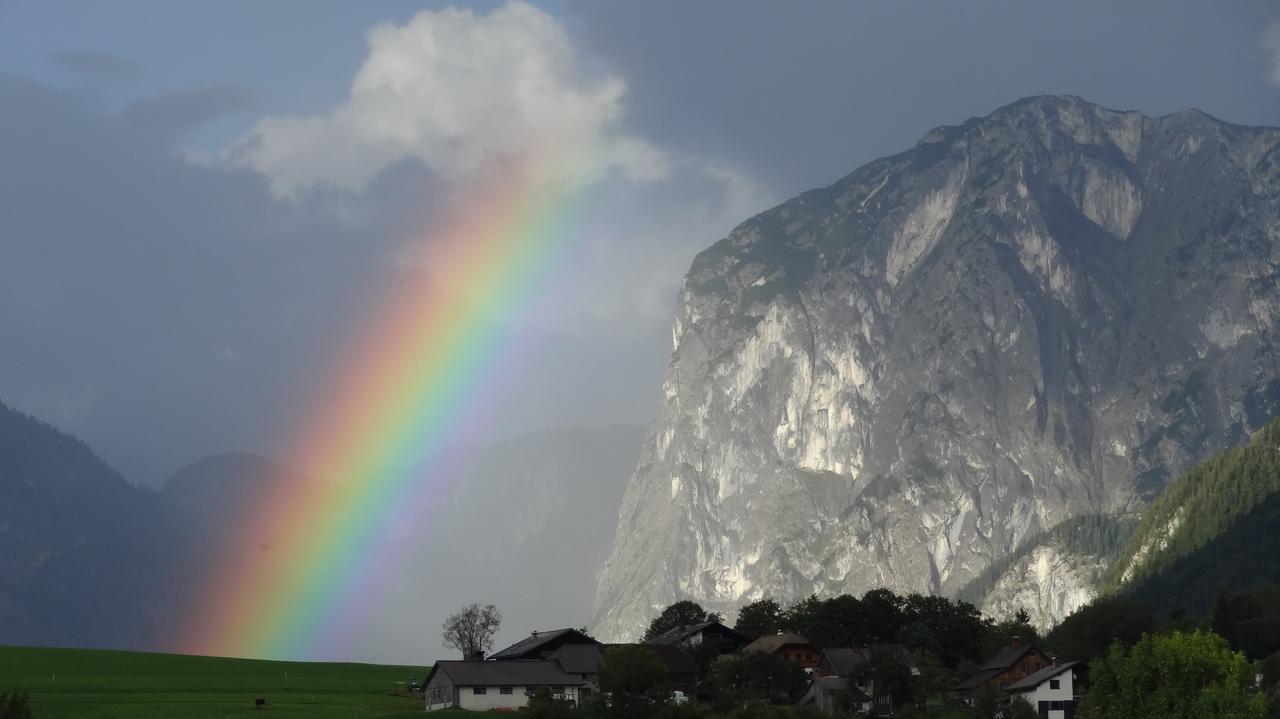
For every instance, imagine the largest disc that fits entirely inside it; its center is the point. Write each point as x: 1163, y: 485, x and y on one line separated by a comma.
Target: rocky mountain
x: 893, y: 381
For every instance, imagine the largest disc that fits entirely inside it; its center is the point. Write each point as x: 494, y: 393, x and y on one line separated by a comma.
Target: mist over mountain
x: 88, y: 560
x: 524, y: 524
x: 1039, y: 314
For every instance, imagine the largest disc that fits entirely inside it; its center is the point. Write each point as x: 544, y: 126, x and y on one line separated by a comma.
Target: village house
x: 540, y: 645
x: 501, y: 686
x: 789, y: 647
x: 584, y: 661
x: 1007, y: 666
x: 1055, y: 690
x: 713, y: 634
x: 581, y: 656
x: 832, y: 693
x: 842, y: 671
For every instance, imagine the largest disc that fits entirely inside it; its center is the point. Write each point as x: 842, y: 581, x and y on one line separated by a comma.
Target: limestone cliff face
x: 891, y: 381
x: 1049, y: 583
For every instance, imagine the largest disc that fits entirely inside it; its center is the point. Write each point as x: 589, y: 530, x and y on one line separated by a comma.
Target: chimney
x: 1017, y: 642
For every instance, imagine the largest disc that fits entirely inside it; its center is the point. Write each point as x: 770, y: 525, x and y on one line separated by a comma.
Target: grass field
x: 88, y: 684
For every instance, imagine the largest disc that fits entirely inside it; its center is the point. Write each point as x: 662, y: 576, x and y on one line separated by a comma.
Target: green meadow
x: 88, y: 684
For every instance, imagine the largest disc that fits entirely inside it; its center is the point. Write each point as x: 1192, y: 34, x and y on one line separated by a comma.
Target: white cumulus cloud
x: 458, y: 91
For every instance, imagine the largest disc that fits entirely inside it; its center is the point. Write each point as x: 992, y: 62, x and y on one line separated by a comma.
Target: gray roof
x: 1007, y: 656
x: 510, y: 673
x: 845, y: 661
x: 980, y: 678
x: 578, y: 658
x: 1031, y: 681
x: 535, y: 641
x: 586, y: 658
x: 679, y: 634
x: 833, y: 685
x: 771, y: 643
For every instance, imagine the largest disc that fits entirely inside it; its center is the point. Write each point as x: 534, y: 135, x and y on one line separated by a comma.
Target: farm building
x: 502, y: 686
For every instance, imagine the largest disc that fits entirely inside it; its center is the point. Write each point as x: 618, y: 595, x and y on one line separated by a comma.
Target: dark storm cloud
x: 162, y: 308
x: 802, y: 93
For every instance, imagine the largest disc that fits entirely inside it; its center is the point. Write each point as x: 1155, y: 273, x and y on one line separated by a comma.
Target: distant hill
x: 1217, y: 528
x: 1206, y: 504
x: 219, y: 487
x: 86, y: 559
x: 1242, y: 557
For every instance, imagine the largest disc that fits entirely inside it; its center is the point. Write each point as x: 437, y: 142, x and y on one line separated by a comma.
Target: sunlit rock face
x: 1049, y: 583
x: 893, y: 380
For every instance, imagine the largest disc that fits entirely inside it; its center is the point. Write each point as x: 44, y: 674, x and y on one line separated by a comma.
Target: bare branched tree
x: 471, y: 630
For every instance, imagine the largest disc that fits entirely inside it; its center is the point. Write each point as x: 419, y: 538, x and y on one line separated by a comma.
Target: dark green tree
x: 1091, y: 630
x: 837, y: 622
x: 889, y: 668
x: 1022, y: 617
x: 999, y: 636
x: 803, y: 616
x: 986, y: 702
x: 757, y: 675
x: 1020, y: 708
x: 1223, y: 620
x: 1173, y: 676
x: 759, y: 618
x: 952, y: 629
x: 635, y: 680
x: 14, y: 705
x: 883, y: 617
x: 681, y: 614
x: 544, y: 706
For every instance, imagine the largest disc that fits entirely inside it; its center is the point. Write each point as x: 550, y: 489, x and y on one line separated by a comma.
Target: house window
x: 1026, y: 666
x: 557, y: 690
x: 585, y: 691
x: 479, y: 690
x: 1055, y: 684
x: 504, y: 690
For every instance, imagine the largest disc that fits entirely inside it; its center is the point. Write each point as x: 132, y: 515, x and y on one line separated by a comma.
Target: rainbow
x: 404, y: 391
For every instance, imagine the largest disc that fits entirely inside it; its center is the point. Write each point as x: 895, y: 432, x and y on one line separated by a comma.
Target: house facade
x: 480, y: 685
x: 1055, y: 690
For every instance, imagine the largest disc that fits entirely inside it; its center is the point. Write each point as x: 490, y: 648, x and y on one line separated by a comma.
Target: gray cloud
x: 166, y: 118
x: 98, y: 66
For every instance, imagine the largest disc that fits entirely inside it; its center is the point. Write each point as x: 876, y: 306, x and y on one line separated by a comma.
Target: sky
x: 202, y: 203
